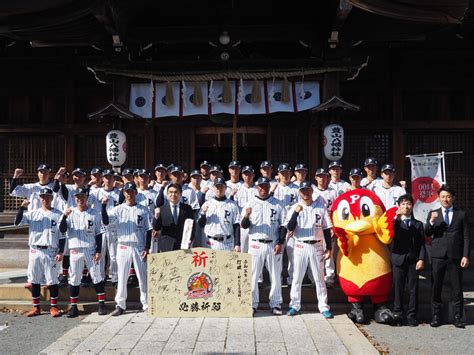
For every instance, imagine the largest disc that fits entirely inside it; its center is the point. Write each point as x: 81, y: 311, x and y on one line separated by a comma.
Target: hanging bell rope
x: 256, y: 92
x: 169, y: 100
x: 197, y: 95
x: 285, y: 91
x: 234, y: 137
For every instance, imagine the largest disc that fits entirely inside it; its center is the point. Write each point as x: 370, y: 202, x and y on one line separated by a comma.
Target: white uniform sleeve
x: 147, y: 223
x: 26, y: 218
x: 22, y: 190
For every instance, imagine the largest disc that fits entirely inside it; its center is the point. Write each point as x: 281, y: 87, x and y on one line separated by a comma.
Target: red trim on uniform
x: 378, y: 289
x: 293, y: 90
x: 101, y: 297
x: 84, y: 271
x: 73, y: 300
x: 65, y: 272
x: 54, y: 301
x: 131, y: 271
x: 36, y: 301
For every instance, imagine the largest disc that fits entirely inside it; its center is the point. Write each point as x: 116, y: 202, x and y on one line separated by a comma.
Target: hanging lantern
x: 116, y: 143
x: 333, y: 142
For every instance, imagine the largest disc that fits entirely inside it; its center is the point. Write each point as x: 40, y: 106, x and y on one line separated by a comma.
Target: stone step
x: 86, y: 307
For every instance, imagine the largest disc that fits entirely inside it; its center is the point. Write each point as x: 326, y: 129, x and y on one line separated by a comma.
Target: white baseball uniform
x: 30, y: 192
x: 220, y: 219
x: 265, y: 221
x: 92, y: 200
x: 389, y: 196
x: 370, y: 185
x: 309, y: 248
x: 132, y: 223
x: 234, y: 185
x: 109, y: 237
x: 244, y: 195
x: 340, y: 187
x: 43, y: 232
x: 82, y: 229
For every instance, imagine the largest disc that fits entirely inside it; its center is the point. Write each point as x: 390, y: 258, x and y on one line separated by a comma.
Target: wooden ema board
x: 200, y: 282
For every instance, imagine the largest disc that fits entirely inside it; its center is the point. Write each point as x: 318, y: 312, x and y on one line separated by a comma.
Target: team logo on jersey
x: 292, y: 198
x: 53, y: 223
x: 185, y: 200
x: 200, y: 285
x: 226, y: 215
x: 139, y: 219
x: 89, y: 223
x: 272, y: 214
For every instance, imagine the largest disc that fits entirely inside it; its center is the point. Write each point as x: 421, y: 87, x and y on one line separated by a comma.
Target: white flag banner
x: 141, y: 100
x: 246, y: 106
x: 426, y: 178
x: 189, y: 105
x: 274, y: 97
x: 307, y: 95
x: 217, y: 106
x: 161, y: 109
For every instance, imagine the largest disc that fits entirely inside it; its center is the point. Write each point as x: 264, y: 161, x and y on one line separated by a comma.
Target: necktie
x: 407, y: 222
x: 175, y: 214
x: 446, y: 217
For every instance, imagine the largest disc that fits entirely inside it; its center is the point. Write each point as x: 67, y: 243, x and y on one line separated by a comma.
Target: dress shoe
x: 436, y: 321
x: 458, y: 323
x: 412, y: 322
x: 34, y: 312
x: 397, y: 318
x: 73, y: 312
x: 118, y: 311
x: 54, y: 312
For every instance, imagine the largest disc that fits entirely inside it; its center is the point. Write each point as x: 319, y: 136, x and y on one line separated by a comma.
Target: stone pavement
x: 137, y: 333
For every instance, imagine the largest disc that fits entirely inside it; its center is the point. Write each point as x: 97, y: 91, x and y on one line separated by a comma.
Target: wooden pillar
x: 149, y: 146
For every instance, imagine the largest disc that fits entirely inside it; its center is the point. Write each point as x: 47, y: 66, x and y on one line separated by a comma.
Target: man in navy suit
x: 449, y: 228
x: 408, y: 254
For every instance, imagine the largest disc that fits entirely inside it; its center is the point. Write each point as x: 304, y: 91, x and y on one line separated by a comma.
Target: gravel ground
x: 31, y: 335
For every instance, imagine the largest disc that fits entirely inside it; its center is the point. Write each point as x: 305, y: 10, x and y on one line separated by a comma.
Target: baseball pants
x: 313, y: 254
x: 330, y: 265
x: 127, y: 253
x: 78, y: 257
x: 263, y: 253
x: 109, y: 245
x: 244, y: 240
x: 42, y: 266
x: 226, y: 244
x: 289, y: 247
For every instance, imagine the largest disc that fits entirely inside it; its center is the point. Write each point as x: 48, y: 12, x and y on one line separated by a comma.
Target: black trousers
x: 401, y: 275
x: 450, y: 268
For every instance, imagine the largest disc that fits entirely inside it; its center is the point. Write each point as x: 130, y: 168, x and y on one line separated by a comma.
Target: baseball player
x: 84, y: 235
x: 246, y: 193
x: 134, y: 239
x: 206, y: 175
x: 109, y: 237
x: 355, y: 177
x: 216, y: 172
x: 234, y: 182
x: 160, y: 175
x: 31, y: 191
x: 46, y: 248
x: 95, y: 182
x: 312, y: 233
x: 127, y: 175
x: 287, y: 193
x: 266, y: 170
x: 322, y: 190
x: 336, y: 183
x: 264, y: 217
x: 387, y: 191
x: 301, y: 173
x: 195, y: 184
x: 188, y: 195
x: 370, y: 167
x: 220, y: 220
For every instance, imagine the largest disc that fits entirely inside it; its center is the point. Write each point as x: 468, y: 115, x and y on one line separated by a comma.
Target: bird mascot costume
x: 364, y: 229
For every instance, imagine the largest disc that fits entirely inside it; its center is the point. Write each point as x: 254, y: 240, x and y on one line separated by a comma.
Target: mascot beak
x: 358, y: 226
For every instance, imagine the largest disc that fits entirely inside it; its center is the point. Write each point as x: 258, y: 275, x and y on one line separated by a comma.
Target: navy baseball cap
x: 107, y: 172
x: 215, y: 168
x: 43, y: 167
x: 266, y: 164
x: 127, y: 171
x: 205, y: 163
x: 321, y: 171
x: 234, y: 163
x: 80, y: 191
x: 219, y: 181
x: 301, y: 166
x: 355, y: 171
x: 96, y: 171
x: 159, y: 166
x: 176, y: 169
x: 194, y: 173
x: 305, y: 185
x: 283, y: 167
x: 169, y: 167
x: 79, y: 171
x: 335, y: 163
x: 130, y: 186
x: 262, y: 181
x: 370, y: 161
x: 388, y: 167
x: 248, y: 169
x: 143, y: 172
x: 46, y: 191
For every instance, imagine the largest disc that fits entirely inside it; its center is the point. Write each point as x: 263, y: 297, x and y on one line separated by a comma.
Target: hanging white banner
x: 141, y: 99
x: 246, y: 106
x: 275, y: 104
x: 163, y: 110
x: 190, y: 104
x: 217, y: 106
x: 307, y: 95
x: 426, y: 179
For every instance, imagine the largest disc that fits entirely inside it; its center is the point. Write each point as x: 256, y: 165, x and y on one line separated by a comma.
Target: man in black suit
x: 169, y: 220
x: 449, y: 229
x: 408, y: 254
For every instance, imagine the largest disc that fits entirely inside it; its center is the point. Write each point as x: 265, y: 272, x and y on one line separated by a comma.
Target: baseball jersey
x: 43, y: 227
x: 340, y: 187
x: 220, y: 217
x: 287, y: 195
x: 370, y: 185
x: 113, y: 197
x: 234, y: 185
x: 132, y: 223
x: 266, y: 218
x: 328, y: 195
x: 92, y: 200
x: 244, y: 195
x: 311, y: 221
x: 147, y: 198
x: 157, y: 186
x: 82, y: 227
x: 389, y: 196
x: 206, y: 183
x: 210, y: 194
x: 94, y: 190
x: 30, y: 192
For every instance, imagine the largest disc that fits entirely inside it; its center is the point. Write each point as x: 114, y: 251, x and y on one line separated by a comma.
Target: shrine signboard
x: 200, y: 282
